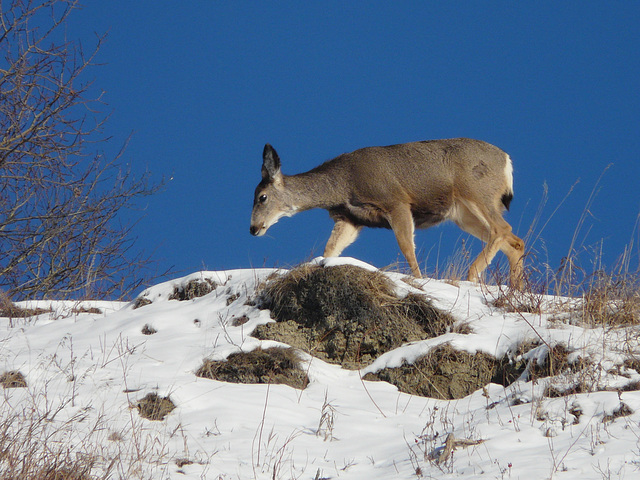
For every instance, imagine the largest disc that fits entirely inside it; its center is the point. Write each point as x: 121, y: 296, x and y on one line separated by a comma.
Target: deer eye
x: 262, y: 198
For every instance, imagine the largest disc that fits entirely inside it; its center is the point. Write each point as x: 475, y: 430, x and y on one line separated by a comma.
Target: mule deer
x: 401, y: 187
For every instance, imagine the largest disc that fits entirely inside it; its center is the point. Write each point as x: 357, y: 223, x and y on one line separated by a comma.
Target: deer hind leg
x: 344, y: 233
x: 401, y: 221
x: 496, y: 232
x: 513, y: 247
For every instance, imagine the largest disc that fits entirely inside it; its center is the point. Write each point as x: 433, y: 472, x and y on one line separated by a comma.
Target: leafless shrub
x: 60, y: 199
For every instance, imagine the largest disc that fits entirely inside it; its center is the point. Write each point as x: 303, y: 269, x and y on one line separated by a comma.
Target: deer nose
x: 254, y: 230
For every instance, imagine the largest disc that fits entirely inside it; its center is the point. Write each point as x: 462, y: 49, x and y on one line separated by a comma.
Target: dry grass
x: 563, y: 370
x: 588, y: 295
x: 525, y: 301
x: 42, y: 439
x: 457, y: 268
x: 271, y: 365
x: 555, y: 362
x: 148, y: 329
x: 30, y: 449
x: 623, y: 410
x: 83, y: 309
x: 604, y: 299
x: 193, y: 289
x: 9, y: 309
x: 417, y: 308
x: 309, y: 282
x: 141, y: 302
x: 345, y: 314
x: 50, y: 467
x: 612, y: 300
x: 12, y: 379
x: 155, y: 407
x: 444, y: 373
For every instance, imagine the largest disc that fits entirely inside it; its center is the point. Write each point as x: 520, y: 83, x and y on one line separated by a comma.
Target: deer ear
x: 270, y: 163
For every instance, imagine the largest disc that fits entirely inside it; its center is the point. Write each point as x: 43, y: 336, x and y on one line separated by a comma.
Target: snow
x: 86, y: 371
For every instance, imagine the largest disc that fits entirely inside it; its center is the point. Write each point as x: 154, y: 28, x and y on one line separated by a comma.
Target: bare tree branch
x: 60, y: 198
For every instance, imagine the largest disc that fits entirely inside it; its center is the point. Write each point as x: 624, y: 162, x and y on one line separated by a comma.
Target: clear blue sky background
x: 205, y: 84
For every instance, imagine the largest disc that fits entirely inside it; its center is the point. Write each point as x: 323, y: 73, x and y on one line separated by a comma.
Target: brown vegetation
x: 345, y: 314
x: 444, y: 373
x: 271, y: 365
x: 155, y: 407
x: 12, y: 379
x: 193, y: 289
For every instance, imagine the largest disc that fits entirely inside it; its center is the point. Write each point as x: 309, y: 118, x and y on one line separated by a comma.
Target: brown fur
x: 401, y: 187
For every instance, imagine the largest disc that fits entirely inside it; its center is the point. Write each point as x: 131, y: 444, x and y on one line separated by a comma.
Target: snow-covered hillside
x: 86, y: 372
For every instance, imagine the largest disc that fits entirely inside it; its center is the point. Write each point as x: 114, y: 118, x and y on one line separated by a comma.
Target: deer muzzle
x: 257, y: 230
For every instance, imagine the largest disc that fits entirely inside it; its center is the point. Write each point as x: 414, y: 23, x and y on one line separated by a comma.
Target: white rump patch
x: 508, y: 173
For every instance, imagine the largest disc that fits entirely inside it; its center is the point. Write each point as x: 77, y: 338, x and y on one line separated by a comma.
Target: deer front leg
x: 343, y: 234
x: 401, y: 222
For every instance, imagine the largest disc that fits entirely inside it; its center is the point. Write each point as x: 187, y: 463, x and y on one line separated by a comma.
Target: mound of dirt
x: 12, y: 379
x: 193, y: 289
x: 271, y: 365
x: 148, y: 329
x: 154, y: 407
x: 345, y: 314
x: 10, y: 310
x: 443, y: 373
x: 141, y: 302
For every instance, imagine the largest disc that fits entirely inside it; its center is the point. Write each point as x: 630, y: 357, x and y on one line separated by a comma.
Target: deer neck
x: 315, y: 189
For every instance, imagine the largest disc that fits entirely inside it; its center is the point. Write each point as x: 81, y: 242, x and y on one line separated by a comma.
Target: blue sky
x: 205, y: 84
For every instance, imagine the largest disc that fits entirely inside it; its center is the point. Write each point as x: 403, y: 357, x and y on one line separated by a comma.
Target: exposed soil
x: 443, y: 373
x: 349, y: 316
x: 154, y: 407
x: 193, y: 289
x: 345, y: 314
x: 272, y: 365
x: 12, y: 379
